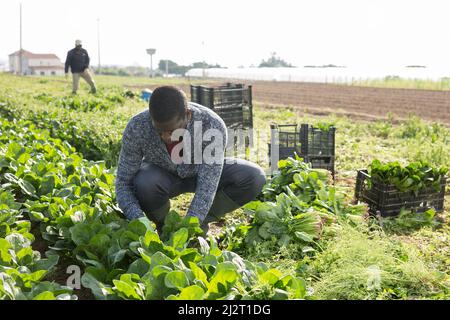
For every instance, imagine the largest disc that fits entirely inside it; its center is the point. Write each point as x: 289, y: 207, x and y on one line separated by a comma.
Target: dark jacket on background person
x: 77, y: 59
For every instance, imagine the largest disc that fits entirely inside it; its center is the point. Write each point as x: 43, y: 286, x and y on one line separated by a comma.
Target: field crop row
x: 302, y: 239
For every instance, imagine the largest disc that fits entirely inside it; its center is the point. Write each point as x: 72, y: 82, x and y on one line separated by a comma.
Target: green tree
x: 274, y: 62
x: 170, y: 64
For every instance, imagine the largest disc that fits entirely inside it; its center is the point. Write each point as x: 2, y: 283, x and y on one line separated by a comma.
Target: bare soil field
x: 356, y: 102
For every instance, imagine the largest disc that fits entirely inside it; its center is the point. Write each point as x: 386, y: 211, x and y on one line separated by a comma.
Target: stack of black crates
x: 313, y: 144
x: 232, y: 102
x: 386, y: 200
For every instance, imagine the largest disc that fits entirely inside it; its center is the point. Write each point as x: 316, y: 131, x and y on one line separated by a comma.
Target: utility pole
x: 151, y: 52
x: 98, y: 39
x: 167, y: 67
x: 20, y: 51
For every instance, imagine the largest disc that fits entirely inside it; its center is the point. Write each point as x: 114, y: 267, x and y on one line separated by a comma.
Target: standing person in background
x: 78, y: 61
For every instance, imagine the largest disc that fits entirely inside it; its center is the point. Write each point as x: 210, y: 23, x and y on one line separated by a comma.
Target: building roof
x: 31, y: 55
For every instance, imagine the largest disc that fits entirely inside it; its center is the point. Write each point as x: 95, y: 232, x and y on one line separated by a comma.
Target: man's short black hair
x: 167, y: 103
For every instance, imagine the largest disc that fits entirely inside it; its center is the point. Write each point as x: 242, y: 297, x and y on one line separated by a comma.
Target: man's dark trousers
x: 241, y: 182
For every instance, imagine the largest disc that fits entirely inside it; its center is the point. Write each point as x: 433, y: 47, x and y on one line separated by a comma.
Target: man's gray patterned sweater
x: 141, y: 143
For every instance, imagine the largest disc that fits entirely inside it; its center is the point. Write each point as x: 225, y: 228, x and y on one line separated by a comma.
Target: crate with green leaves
x: 315, y: 144
x: 390, y: 187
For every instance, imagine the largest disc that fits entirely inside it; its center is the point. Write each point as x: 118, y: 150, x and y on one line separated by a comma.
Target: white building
x: 35, y: 63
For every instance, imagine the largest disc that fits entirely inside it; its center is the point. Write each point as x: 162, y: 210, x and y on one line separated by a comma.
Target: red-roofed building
x: 35, y: 63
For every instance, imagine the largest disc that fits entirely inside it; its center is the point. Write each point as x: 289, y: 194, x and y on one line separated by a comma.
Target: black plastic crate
x: 228, y: 94
x: 313, y: 144
x: 284, y: 152
x: 321, y: 162
x: 317, y: 142
x: 195, y: 94
x: 388, y: 200
x: 232, y: 102
x: 236, y: 116
x: 288, y: 141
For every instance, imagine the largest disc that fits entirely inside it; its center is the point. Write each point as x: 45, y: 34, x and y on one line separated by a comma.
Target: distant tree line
x: 173, y: 68
x: 122, y: 71
x: 275, y: 62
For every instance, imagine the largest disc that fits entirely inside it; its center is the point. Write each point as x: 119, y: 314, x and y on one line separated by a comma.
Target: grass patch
x: 363, y: 264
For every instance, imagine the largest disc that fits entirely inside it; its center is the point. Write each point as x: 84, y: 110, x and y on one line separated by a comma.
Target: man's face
x: 166, y: 129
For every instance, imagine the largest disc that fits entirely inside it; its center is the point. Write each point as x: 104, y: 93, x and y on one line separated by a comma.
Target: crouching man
x: 171, y: 149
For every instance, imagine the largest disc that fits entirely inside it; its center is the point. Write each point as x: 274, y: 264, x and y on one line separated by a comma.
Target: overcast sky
x: 235, y: 32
